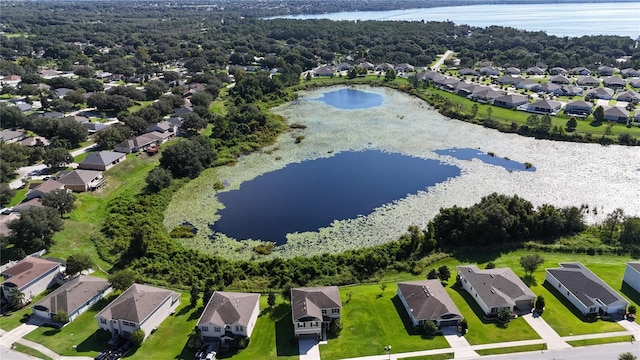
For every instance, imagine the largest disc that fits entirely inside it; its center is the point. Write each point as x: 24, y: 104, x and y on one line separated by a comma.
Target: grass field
x: 605, y: 340
x: 512, y: 349
x: 29, y: 351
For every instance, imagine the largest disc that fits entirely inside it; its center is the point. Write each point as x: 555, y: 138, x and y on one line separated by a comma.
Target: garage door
x: 447, y: 323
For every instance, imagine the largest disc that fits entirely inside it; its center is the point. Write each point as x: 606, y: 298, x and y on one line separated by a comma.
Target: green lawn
x: 29, y: 351
x: 599, y: 341
x: 12, y: 320
x: 512, y: 349
x: 139, y: 105
x: 445, y: 356
x: 81, y: 332
x: 373, y: 318
x: 19, y: 196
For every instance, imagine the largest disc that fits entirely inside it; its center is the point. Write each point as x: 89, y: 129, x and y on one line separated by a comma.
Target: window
x: 103, y: 321
x: 216, y: 329
x: 324, y: 311
x: 568, y: 293
x: 301, y: 325
x: 127, y: 323
x: 494, y: 310
x: 335, y: 311
x: 559, y: 286
x: 239, y: 328
x: 592, y: 310
x: 205, y: 328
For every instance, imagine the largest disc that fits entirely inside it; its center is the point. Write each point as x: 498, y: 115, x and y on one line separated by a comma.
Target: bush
x: 539, y: 307
x: 243, y: 343
x: 335, y: 327
x: 61, y: 317
x: 490, y: 265
x: 182, y: 231
x: 632, y: 309
x: 263, y: 249
x: 429, y: 328
x: 137, y: 337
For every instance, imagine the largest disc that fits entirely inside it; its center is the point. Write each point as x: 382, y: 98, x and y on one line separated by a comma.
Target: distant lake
x: 573, y: 19
x: 350, y: 99
x: 309, y: 195
x: 468, y: 154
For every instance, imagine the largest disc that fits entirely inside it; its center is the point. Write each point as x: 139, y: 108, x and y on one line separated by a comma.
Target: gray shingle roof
x: 307, y: 303
x: 427, y: 299
x: 227, y: 308
x: 79, y: 177
x: 496, y: 287
x: 27, y: 270
x: 101, y: 158
x: 74, y: 294
x: 584, y: 284
x: 136, y: 303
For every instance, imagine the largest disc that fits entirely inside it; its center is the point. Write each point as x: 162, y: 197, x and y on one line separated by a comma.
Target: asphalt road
x: 596, y: 352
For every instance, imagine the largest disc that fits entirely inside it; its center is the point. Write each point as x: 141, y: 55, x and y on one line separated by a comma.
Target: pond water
x: 468, y: 154
x: 350, y: 99
x: 309, y: 195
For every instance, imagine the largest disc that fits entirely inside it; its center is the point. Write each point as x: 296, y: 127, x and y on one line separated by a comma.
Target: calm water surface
x: 468, y: 154
x: 350, y: 99
x: 555, y: 19
x: 309, y: 195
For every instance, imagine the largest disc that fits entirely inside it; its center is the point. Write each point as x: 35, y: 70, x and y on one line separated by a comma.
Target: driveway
x: 550, y: 336
x: 309, y: 349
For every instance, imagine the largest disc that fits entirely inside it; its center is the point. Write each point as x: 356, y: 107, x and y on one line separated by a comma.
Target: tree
x: 110, y: 137
x: 61, y: 200
x: 193, y: 122
x: 352, y: 74
x: 504, y: 314
x: 390, y: 75
x: 627, y: 356
x: 539, y: 305
x: 122, y: 279
x: 208, y: 291
x: 433, y: 274
x: 137, y: 337
x: 77, y: 263
x: 201, y: 98
x: 610, y: 225
x: 194, y: 295
x: 444, y: 273
x: 155, y: 89
x: 531, y: 262
x: 572, y: 124
x: 598, y: 114
x: 429, y: 328
x: 188, y: 158
x: 16, y: 298
x: 158, y: 179
x: 630, y: 231
x: 57, y: 157
x: 61, y: 317
x: 35, y: 227
x: 6, y: 194
x: 335, y: 327
x: 271, y: 300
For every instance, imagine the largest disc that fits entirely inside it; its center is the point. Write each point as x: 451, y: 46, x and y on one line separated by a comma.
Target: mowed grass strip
x: 599, y: 341
x: 372, y: 318
x: 512, y: 349
x: 29, y: 351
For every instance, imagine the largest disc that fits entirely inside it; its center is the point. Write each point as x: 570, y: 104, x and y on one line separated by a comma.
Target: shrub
x: 632, y: 309
x: 539, y: 306
x: 490, y: 265
x: 263, y: 249
x: 137, y: 337
x: 335, y: 327
x: 429, y: 328
x: 61, y: 317
x: 243, y: 343
x: 182, y: 231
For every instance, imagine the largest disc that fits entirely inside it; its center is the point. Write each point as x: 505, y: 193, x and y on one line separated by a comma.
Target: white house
x: 632, y: 275
x: 139, y: 307
x: 496, y: 289
x: 74, y: 297
x: 427, y: 300
x: 30, y: 276
x: 313, y: 308
x: 585, y: 290
x: 229, y: 314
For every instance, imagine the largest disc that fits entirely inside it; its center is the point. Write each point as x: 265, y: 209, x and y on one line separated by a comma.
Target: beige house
x: 102, y: 160
x: 313, y: 308
x: 427, y: 300
x: 30, y: 276
x: 229, y: 315
x: 139, y: 307
x: 82, y: 180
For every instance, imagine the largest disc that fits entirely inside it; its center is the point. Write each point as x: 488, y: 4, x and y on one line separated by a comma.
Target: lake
x: 351, y: 99
x: 309, y: 195
x: 568, y: 19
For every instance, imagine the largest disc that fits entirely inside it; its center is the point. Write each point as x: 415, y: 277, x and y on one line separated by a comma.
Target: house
x: 427, y: 300
x: 430, y: 76
x: 559, y: 79
x: 101, y: 160
x: 35, y: 141
x: 579, y: 108
x: 468, y: 71
x: 617, y: 114
x: 313, y: 309
x: 511, y: 101
x: 227, y: 315
x: 62, y: 92
x: 44, y: 188
x: 366, y: 65
x: 4, y: 222
x: 545, y: 107
x: 585, y: 290
x: 30, y: 276
x: 489, y: 71
x: 24, y: 107
x: 164, y: 127
x: 384, y: 67
x: 557, y: 71
x: 630, y: 72
x: 605, y: 70
x: 496, y: 289
x: 404, y: 67
x: 94, y: 127
x: 182, y: 111
x: 49, y: 73
x: 82, y: 180
x: 600, y: 93
x: 325, y: 71
x: 527, y: 84
x: 580, y: 70
x: 513, y: 71
x: 139, y: 307
x: 11, y: 136
x: 77, y: 118
x: 535, y: 70
x: 344, y: 66
x: 587, y: 81
x: 27, y: 204
x: 484, y: 94
x: 629, y: 96
x: 74, y: 297
x: 507, y: 80
x: 614, y: 82
x: 568, y: 90
x: 635, y: 83
x: 549, y: 88
x: 136, y: 144
x: 632, y: 275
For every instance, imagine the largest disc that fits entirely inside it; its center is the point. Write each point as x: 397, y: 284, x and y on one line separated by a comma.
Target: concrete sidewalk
x: 460, y: 346
x: 550, y: 336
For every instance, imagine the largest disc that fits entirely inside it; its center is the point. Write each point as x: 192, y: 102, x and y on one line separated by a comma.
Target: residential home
x: 313, y: 309
x: 496, y: 289
x: 101, y: 160
x: 489, y: 71
x: 634, y: 83
x: 431, y: 76
x: 30, y: 276
x: 559, y: 79
x: 35, y: 141
x: 617, y: 114
x: 632, y: 275
x: 580, y: 70
x: 139, y: 307
x: 384, y: 67
x: 136, y: 144
x: 568, y: 90
x: 229, y: 315
x: 164, y: 127
x: 366, y: 65
x: 614, y: 82
x: 325, y: 71
x: 549, y: 88
x: 605, y: 70
x: 343, y: 66
x: 27, y: 204
x: 44, y: 188
x: 94, y: 127
x: 585, y: 290
x: 600, y: 93
x: 11, y: 136
x: 24, y: 107
x: 103, y: 75
x: 545, y: 106
x: 4, y: 222
x: 404, y: 67
x: 62, y: 92
x: 557, y: 71
x: 175, y: 121
x: 182, y: 111
x: 427, y: 300
x: 534, y: 71
x: 49, y: 73
x: 82, y: 180
x: 511, y: 101
x: 507, y: 80
x: 528, y: 84
x: 485, y: 94
x: 630, y: 72
x: 513, y: 71
x: 77, y: 118
x: 587, y: 81
x: 11, y: 79
x: 73, y: 297
x: 629, y: 96
x: 578, y: 108
x: 449, y: 83
x: 468, y: 71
